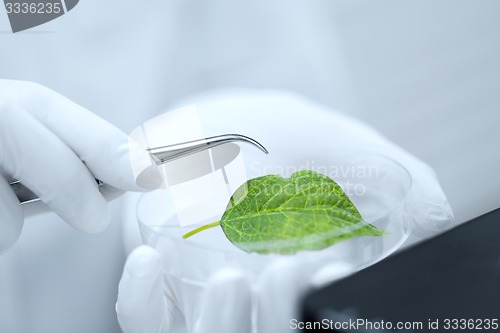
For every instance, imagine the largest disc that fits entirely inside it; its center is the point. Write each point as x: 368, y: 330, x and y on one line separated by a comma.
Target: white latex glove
x: 289, y: 126
x: 147, y: 303
x: 56, y: 148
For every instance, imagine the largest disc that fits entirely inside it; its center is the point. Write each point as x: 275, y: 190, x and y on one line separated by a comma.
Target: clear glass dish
x: 376, y: 184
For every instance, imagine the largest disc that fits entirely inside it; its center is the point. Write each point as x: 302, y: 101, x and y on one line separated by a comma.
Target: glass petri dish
x: 376, y: 184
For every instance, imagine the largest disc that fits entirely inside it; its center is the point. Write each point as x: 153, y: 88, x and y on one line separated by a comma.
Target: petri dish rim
x: 406, y: 225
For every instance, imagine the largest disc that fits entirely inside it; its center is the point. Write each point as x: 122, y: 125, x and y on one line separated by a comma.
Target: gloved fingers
x: 429, y: 208
x: 11, y: 216
x: 110, y: 154
x: 226, y: 304
x: 39, y: 159
x: 427, y: 204
x: 330, y: 273
x: 279, y: 289
x: 109, y: 192
x: 141, y: 305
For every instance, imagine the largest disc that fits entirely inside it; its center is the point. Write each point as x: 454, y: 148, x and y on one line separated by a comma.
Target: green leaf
x: 308, y: 211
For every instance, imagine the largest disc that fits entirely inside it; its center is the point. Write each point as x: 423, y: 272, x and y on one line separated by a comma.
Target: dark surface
x: 455, y: 275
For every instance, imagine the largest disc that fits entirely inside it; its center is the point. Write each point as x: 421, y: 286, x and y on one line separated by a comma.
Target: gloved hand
x: 56, y: 148
x: 147, y: 303
x: 291, y: 128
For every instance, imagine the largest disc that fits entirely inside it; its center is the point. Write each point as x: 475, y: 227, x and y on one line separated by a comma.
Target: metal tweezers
x: 160, y: 155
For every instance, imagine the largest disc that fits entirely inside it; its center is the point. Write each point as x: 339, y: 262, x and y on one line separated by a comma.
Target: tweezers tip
x: 252, y: 141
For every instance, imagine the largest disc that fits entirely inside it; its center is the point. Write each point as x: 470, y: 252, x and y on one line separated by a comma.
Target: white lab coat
x: 126, y: 61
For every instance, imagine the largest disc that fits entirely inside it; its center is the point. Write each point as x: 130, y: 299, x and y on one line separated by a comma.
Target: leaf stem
x: 204, y: 227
